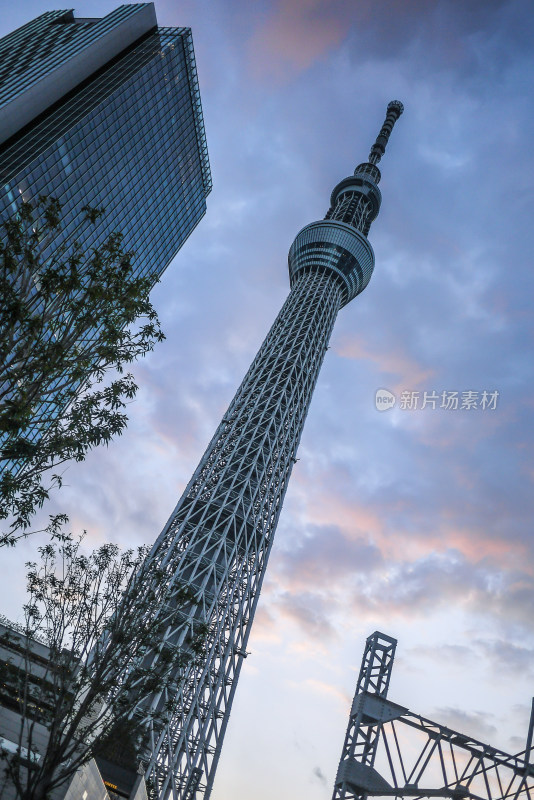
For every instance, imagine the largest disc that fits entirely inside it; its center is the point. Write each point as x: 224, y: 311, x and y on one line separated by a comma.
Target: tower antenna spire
x: 395, y: 109
x: 356, y: 200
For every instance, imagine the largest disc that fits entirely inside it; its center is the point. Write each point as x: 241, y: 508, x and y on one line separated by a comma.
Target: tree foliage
x: 98, y: 617
x: 69, y: 317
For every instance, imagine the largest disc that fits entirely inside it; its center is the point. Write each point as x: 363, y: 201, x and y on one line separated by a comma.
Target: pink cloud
x: 475, y: 545
x: 295, y: 35
x: 410, y: 527
x: 265, y: 628
x: 392, y: 361
x: 321, y: 687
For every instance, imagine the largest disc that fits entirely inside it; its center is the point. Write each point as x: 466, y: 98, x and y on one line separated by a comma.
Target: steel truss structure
x: 380, y: 759
x: 217, y: 540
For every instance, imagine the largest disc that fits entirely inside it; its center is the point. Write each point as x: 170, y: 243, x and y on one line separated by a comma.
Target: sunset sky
x: 414, y: 522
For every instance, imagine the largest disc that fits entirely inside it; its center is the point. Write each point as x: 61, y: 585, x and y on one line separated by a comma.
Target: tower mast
x: 218, y: 538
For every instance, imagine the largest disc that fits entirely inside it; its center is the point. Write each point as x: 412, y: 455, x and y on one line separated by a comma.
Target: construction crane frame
x: 440, y: 763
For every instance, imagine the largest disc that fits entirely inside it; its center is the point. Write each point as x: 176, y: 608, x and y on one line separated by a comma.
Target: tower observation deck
x: 218, y: 538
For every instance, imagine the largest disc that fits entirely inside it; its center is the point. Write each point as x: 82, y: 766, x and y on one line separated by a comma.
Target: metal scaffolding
x: 390, y: 751
x: 217, y: 541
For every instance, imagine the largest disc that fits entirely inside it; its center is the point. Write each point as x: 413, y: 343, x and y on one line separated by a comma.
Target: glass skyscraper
x: 104, y: 113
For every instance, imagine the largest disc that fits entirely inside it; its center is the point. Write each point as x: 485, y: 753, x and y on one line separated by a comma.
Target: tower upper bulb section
x: 339, y: 243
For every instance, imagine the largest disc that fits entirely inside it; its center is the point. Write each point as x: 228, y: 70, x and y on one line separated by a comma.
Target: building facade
x: 29, y: 690
x: 105, y: 113
x: 218, y: 539
x: 22, y: 735
x: 117, y: 123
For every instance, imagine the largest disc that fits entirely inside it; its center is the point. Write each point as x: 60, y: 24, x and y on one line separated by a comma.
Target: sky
x: 412, y: 521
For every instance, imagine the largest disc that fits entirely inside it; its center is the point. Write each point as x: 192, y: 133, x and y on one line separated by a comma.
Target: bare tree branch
x: 99, y: 617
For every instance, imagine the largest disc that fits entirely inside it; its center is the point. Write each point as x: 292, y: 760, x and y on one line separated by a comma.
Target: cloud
x: 401, y: 31
x: 309, y: 611
x: 479, y: 724
x: 439, y: 580
x: 325, y: 555
x: 445, y: 653
x: 265, y: 628
x: 327, y: 576
x: 329, y: 690
x: 399, y: 369
x: 507, y: 657
x: 293, y: 35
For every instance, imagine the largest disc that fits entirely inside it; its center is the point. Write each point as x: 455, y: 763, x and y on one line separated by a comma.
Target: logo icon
x: 384, y: 400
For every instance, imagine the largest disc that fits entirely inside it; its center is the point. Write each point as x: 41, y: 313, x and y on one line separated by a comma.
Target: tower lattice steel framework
x: 218, y: 538
x: 390, y: 751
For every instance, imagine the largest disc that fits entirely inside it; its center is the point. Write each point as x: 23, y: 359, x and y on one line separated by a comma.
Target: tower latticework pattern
x: 217, y: 540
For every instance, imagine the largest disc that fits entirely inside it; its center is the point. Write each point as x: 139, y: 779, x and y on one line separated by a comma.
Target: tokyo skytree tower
x: 218, y: 538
